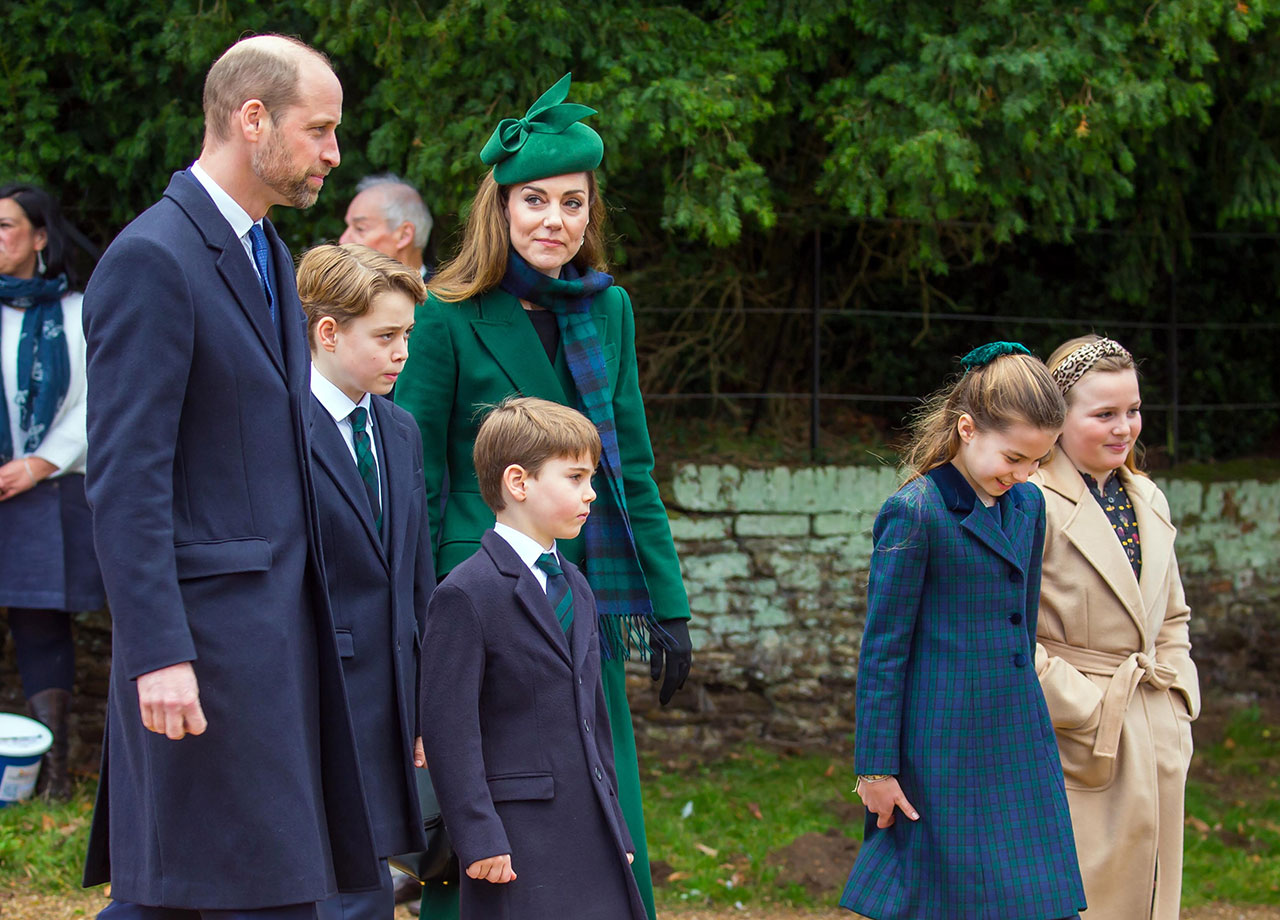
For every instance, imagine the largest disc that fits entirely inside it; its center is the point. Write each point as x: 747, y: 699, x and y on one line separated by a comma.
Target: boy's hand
x: 631, y: 857
x: 419, y: 755
x: 496, y: 869
x: 882, y: 797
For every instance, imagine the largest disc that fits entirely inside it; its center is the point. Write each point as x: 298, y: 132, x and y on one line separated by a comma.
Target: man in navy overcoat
x: 230, y: 784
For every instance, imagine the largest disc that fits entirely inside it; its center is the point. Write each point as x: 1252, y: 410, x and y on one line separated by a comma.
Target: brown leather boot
x: 51, y: 707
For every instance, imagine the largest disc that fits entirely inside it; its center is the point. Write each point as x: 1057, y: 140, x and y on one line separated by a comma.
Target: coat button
x: 579, y: 681
x: 599, y: 775
x: 1015, y: 618
x: 586, y: 725
x: 1020, y: 660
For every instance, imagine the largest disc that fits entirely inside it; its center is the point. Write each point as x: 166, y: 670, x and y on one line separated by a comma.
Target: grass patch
x: 1233, y: 816
x: 42, y: 844
x: 715, y: 824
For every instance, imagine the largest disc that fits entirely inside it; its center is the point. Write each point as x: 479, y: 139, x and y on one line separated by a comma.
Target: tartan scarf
x: 44, y: 364
x: 613, y: 568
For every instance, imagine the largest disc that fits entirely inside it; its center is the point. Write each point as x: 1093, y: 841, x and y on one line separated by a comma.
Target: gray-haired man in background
x: 389, y: 215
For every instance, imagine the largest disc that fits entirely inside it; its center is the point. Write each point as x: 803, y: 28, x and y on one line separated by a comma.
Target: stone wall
x: 776, y: 560
x: 776, y: 566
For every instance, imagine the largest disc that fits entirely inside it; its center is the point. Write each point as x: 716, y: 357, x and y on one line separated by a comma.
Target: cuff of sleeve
x: 60, y: 450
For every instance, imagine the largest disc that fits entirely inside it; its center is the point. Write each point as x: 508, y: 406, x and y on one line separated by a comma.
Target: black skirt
x: 46, y: 548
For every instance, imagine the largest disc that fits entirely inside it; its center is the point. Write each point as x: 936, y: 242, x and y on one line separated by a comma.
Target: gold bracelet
x: 874, y: 777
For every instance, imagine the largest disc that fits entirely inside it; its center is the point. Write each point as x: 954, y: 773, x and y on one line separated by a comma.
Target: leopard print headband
x: 1081, y: 361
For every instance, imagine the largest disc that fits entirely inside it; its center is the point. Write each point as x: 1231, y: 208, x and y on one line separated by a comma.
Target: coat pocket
x: 521, y: 787
x: 1081, y: 769
x: 204, y: 559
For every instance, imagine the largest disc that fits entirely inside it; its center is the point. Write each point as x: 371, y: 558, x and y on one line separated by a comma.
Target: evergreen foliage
x: 955, y: 158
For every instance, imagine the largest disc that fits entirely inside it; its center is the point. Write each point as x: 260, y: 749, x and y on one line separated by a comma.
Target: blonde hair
x: 342, y: 281
x: 1108, y: 364
x: 254, y: 69
x: 1010, y: 389
x: 481, y: 261
x: 528, y: 432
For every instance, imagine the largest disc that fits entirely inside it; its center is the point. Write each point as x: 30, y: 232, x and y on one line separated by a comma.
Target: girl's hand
x: 496, y: 869
x: 22, y: 473
x: 882, y: 797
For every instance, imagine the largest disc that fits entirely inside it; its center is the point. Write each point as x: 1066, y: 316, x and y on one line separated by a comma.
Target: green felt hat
x: 549, y: 141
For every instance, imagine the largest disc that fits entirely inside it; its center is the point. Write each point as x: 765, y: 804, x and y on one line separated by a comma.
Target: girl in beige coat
x: 1113, y: 653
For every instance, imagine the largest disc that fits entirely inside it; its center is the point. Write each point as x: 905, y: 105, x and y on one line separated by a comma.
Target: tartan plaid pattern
x: 622, y: 596
x: 558, y: 591
x: 949, y: 702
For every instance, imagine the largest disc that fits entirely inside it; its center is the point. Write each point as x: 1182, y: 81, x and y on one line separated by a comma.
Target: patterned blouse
x: 1119, y: 510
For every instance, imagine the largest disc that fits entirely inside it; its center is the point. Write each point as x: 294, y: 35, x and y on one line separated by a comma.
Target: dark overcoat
x: 378, y: 584
x: 518, y: 742
x: 205, y: 529
x: 948, y: 701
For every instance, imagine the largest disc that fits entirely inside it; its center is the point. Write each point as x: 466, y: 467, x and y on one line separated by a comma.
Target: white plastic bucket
x: 23, y: 742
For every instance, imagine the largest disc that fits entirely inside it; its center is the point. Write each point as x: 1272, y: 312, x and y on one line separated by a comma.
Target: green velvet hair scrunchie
x: 985, y: 354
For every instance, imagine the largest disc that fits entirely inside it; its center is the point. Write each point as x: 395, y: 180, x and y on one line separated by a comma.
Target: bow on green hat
x: 549, y: 141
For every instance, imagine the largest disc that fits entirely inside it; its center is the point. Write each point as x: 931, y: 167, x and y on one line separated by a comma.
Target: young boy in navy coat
x: 513, y: 713
x: 375, y: 541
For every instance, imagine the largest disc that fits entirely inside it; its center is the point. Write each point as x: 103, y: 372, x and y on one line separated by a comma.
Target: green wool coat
x: 466, y: 356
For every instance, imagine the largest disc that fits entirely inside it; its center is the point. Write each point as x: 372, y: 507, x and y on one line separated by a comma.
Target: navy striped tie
x: 558, y: 592
x: 262, y: 257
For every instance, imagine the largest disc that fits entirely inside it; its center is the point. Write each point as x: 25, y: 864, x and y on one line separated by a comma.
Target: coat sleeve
x: 1173, y: 641
x: 649, y: 521
x: 453, y: 666
x: 139, y: 322
x: 899, y: 563
x: 426, y: 388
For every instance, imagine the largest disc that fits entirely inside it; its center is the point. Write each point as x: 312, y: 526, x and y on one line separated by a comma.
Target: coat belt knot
x: 1126, y: 673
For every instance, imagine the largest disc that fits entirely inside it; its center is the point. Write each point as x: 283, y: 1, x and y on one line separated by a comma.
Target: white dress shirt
x: 339, y: 406
x: 65, y: 443
x: 236, y: 216
x: 527, y: 548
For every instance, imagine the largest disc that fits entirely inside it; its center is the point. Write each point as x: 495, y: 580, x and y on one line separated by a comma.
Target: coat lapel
x: 333, y: 457
x: 959, y: 496
x: 1157, y: 534
x: 506, y: 333
x: 1089, y: 531
x: 529, y: 593
x: 583, y: 620
x: 232, y: 262
x: 394, y: 454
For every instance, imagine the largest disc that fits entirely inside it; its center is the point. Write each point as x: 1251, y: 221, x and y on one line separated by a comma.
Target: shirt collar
x: 335, y: 402
x: 236, y: 216
x: 526, y: 547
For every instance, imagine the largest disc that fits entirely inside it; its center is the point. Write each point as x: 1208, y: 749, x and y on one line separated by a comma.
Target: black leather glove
x: 670, y: 644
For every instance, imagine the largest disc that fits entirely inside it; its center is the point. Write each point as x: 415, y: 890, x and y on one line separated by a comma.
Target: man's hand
x: 170, y: 701
x: 882, y: 797
x: 419, y: 755
x: 496, y: 869
x: 671, y: 645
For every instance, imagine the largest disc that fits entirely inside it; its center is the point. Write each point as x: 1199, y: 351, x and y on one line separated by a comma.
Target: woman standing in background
x: 47, y: 564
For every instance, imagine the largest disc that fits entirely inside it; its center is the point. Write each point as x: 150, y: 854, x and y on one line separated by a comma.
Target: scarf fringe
x: 627, y: 637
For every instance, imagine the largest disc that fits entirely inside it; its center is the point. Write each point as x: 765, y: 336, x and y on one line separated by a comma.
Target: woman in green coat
x: 525, y: 308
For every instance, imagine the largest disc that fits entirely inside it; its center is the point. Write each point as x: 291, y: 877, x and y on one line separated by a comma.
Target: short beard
x: 271, y: 165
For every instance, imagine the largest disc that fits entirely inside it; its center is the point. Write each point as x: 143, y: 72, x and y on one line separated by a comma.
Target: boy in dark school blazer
x: 513, y: 716
x: 375, y: 541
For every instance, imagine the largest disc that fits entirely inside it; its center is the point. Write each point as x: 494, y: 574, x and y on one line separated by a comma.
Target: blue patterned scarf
x: 613, y: 568
x: 44, y: 366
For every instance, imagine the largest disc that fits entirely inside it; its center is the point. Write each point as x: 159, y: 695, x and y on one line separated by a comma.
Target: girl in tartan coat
x: 966, y: 812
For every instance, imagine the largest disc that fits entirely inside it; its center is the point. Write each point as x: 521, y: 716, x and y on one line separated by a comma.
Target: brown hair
x: 253, y: 69
x: 482, y: 259
x: 1011, y: 389
x: 529, y: 432
x: 1108, y: 364
x: 342, y: 281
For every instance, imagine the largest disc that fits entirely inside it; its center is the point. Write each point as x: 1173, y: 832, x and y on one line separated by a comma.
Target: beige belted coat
x: 1113, y: 656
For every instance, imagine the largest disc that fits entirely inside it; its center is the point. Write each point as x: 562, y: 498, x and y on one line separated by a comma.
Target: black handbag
x: 438, y: 862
